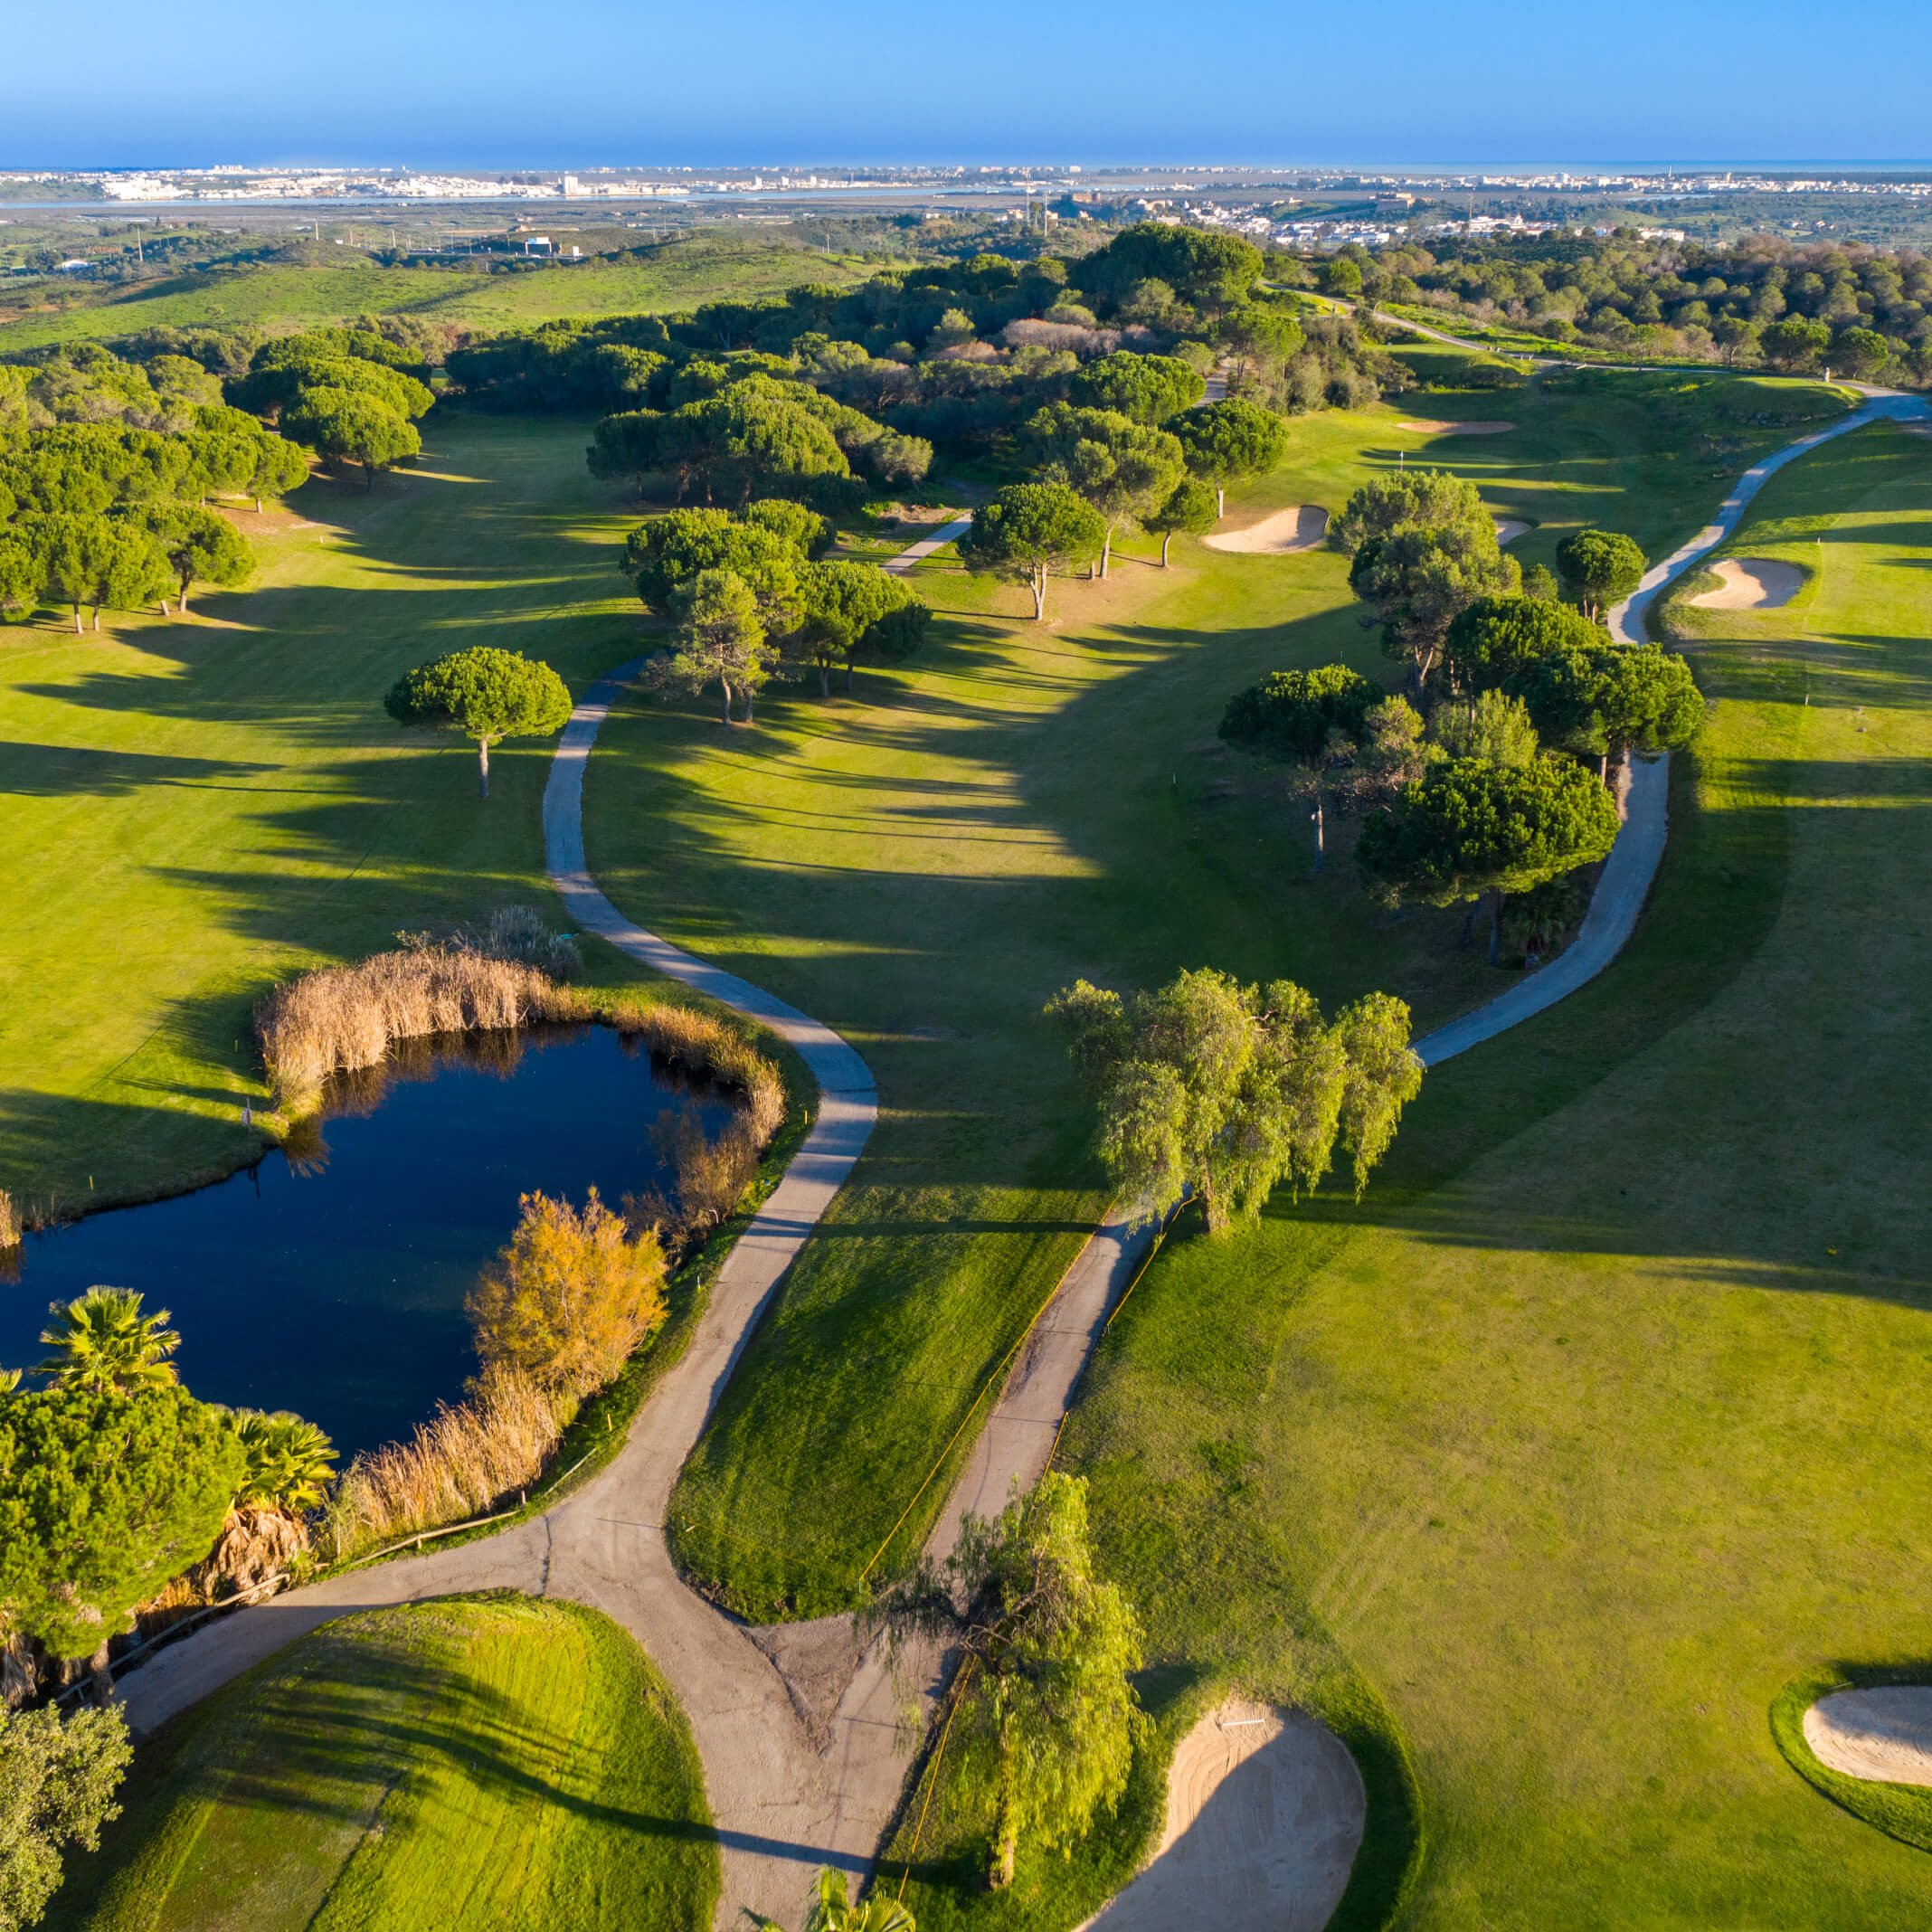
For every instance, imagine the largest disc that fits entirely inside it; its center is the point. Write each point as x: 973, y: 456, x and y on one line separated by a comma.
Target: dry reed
x: 342, y: 1018
x: 460, y: 1464
x: 9, y: 1221
x: 702, y: 1045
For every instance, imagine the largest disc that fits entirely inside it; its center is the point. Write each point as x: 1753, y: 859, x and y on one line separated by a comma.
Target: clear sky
x: 552, y: 83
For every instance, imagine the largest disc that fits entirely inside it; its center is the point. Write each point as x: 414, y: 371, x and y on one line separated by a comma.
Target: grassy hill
x: 484, y: 1761
x: 700, y: 267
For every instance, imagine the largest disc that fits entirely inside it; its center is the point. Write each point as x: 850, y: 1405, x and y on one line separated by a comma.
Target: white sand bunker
x: 1301, y: 528
x: 1264, y: 1815
x: 1750, y: 583
x: 1884, y: 1734
x: 1460, y: 429
x: 1508, y: 528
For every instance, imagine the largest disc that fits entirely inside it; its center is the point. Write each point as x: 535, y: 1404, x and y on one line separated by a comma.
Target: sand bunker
x: 1460, y: 429
x: 1750, y: 583
x: 1301, y: 528
x: 1263, y: 1816
x: 1885, y: 1733
x: 1508, y: 529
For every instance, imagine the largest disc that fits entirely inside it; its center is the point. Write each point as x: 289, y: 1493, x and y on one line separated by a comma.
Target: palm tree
x: 831, y: 1911
x: 105, y: 1343
x: 291, y: 1462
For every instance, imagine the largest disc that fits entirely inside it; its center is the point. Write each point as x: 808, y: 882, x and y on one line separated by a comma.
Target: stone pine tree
x: 1188, y: 509
x: 1030, y: 530
x: 1470, y: 828
x: 1599, y: 569
x: 486, y: 694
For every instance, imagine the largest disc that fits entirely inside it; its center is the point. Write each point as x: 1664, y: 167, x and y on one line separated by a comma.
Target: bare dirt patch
x: 1280, y: 535
x: 1479, y: 428
x: 1750, y: 583
x: 1508, y: 528
x: 1884, y: 1734
x: 1264, y: 1815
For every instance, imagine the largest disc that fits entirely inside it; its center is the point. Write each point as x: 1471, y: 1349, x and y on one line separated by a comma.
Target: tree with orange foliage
x: 570, y: 1297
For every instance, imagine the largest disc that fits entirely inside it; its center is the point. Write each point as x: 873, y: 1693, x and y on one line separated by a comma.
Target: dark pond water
x: 330, y: 1281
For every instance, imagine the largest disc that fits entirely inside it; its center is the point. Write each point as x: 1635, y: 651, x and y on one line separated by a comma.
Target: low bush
x: 570, y: 1297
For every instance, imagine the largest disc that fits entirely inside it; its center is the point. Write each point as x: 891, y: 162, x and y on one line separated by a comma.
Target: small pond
x: 330, y: 1280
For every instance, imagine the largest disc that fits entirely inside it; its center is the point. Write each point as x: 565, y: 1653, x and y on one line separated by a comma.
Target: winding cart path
x: 793, y: 1789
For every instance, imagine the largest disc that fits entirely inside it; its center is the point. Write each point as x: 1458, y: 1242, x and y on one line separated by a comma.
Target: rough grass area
x: 1600, y: 1419
x: 463, y: 1762
x: 925, y: 864
x: 680, y: 274
x: 190, y: 812
x: 1903, y: 1811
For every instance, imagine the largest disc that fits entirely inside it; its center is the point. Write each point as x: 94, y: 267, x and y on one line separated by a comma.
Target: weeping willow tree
x: 1227, y: 1091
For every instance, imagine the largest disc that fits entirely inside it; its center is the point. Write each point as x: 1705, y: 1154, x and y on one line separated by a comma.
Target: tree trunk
x: 751, y: 703
x: 1603, y: 769
x: 1321, y: 846
x: 103, y: 1677
x: 1167, y: 538
x: 727, y: 683
x: 1469, y: 924
x: 1220, y: 501
x: 184, y: 597
x: 77, y: 619
x: 825, y: 680
x: 258, y: 505
x: 482, y: 768
x: 1038, y: 585
x: 848, y: 677
x: 1106, y: 553
x: 1495, y: 951
x: 369, y: 476
x: 97, y: 620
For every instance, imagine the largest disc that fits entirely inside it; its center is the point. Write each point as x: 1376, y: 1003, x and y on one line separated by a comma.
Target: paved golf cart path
x: 793, y: 1783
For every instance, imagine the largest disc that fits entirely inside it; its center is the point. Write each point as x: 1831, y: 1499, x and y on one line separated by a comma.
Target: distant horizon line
x: 1638, y: 164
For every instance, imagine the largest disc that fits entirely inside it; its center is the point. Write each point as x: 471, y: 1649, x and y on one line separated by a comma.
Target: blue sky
x: 480, y: 83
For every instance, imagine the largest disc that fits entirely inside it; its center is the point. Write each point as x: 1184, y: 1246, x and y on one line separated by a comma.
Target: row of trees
x: 1794, y: 308
x: 753, y: 596
x: 104, y: 516
x: 1099, y: 469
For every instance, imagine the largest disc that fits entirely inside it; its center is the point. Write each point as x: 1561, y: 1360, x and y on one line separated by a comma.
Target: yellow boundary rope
x: 1005, y: 1362
x: 959, y: 1692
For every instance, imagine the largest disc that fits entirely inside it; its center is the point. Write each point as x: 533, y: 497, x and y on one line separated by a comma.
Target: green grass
x: 925, y: 866
x: 1600, y: 1421
x: 679, y: 275
x: 492, y: 1760
x: 189, y: 811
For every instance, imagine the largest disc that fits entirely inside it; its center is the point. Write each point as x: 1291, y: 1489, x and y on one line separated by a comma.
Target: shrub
x: 570, y: 1297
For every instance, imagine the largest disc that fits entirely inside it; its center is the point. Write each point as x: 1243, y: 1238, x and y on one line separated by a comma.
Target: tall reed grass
x: 342, y: 1018
x: 462, y: 1463
x: 9, y: 1221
